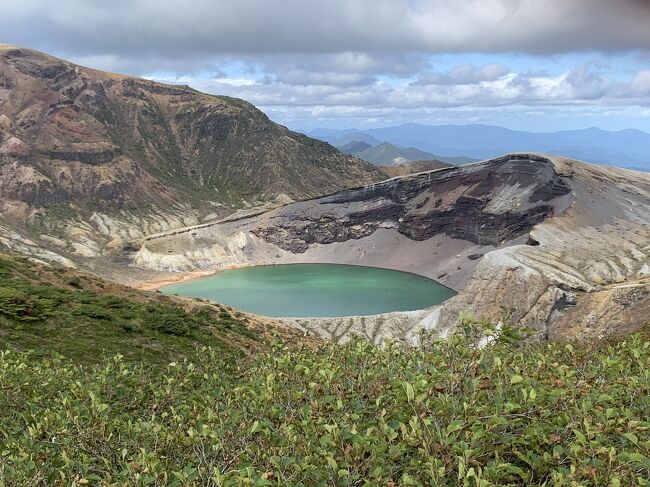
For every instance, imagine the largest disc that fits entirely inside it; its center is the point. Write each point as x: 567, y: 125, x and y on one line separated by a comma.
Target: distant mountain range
x: 627, y: 148
x: 387, y: 154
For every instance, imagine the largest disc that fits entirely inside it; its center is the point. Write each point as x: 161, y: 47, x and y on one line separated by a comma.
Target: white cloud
x: 361, y: 58
x: 641, y: 83
x: 464, y: 74
x: 235, y: 81
x: 576, y: 86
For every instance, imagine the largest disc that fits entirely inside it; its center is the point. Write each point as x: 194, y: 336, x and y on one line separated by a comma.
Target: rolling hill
x: 386, y: 154
x: 355, y: 147
x: 54, y: 310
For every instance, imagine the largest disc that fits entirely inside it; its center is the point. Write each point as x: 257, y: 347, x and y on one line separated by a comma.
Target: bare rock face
x: 93, y: 140
x: 613, y: 310
x: 485, y: 204
x: 585, y: 275
x: 15, y: 147
x: 5, y: 123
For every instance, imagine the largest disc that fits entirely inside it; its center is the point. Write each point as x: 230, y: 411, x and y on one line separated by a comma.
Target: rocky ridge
x: 488, y: 204
x: 82, y: 149
x: 539, y: 241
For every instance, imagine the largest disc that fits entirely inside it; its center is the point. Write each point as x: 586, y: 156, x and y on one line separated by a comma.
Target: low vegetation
x: 444, y: 414
x: 46, y: 311
x: 103, y: 385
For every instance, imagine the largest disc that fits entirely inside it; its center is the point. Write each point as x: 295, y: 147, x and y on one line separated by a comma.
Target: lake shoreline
x: 170, y: 278
x: 310, y: 289
x: 162, y: 281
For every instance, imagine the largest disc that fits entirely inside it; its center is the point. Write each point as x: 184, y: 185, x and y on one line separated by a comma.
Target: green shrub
x: 445, y: 414
x: 93, y: 311
x: 75, y: 282
x: 21, y: 306
x: 130, y: 327
x: 171, y: 323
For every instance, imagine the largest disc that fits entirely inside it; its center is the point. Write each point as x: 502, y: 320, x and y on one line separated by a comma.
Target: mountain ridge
x: 620, y: 148
x: 89, y: 160
x: 119, y: 139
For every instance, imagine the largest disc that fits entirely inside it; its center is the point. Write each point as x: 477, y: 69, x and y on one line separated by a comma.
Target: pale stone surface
x: 13, y: 146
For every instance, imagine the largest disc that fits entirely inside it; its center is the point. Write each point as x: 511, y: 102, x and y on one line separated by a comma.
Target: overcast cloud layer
x: 370, y: 62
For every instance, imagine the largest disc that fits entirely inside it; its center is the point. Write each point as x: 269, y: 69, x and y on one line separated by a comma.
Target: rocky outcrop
x: 14, y: 147
x: 596, y: 251
x: 93, y: 156
x: 486, y: 204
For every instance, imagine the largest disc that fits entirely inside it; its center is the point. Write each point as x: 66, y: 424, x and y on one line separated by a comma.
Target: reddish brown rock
x: 107, y: 141
x: 13, y: 146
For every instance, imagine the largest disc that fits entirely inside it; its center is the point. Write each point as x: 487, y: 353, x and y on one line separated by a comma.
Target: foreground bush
x: 445, y: 414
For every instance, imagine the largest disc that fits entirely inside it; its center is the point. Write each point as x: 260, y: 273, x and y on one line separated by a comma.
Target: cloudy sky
x: 530, y: 64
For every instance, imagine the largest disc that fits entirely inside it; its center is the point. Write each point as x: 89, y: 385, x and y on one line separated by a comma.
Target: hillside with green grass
x: 48, y: 310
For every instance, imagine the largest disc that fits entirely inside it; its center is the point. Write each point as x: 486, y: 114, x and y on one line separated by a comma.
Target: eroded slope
x: 551, y: 243
x: 89, y: 157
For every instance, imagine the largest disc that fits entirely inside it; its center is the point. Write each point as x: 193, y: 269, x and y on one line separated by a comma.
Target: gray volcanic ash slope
x: 487, y: 205
x: 547, y: 242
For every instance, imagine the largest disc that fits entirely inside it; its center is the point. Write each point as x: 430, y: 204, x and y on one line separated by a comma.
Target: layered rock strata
x: 526, y: 239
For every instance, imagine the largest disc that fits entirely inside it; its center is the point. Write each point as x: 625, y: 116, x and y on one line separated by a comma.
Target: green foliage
x: 75, y: 281
x: 171, y: 321
x: 19, y: 305
x: 83, y: 324
x: 444, y: 414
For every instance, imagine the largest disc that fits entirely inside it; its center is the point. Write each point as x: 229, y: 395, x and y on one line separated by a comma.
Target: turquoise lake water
x: 301, y: 290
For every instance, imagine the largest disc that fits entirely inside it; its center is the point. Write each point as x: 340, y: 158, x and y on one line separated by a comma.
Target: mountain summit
x: 82, y: 139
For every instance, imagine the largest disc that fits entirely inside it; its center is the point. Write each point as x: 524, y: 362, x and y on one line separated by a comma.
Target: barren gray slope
x: 528, y: 238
